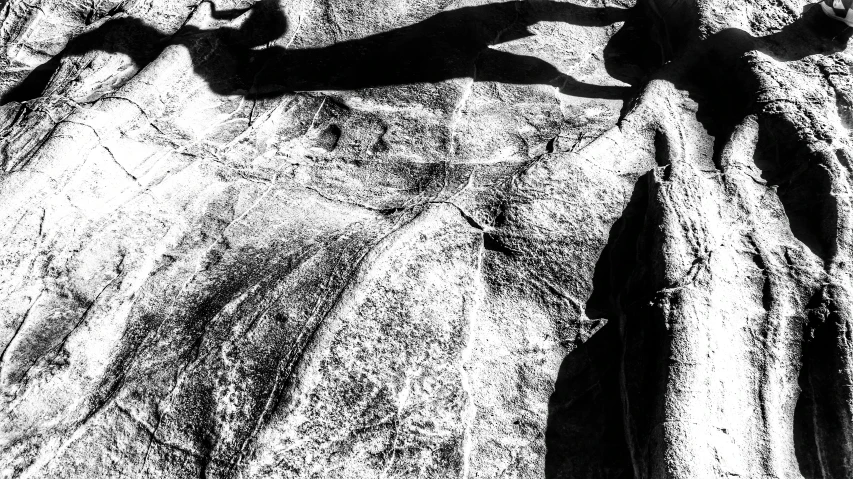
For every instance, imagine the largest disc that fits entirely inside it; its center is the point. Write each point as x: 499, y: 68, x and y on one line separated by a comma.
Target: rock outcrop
x: 425, y: 238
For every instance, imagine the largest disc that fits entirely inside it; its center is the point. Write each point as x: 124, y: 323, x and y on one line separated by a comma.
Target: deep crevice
x: 662, y: 154
x: 805, y: 435
x: 492, y: 242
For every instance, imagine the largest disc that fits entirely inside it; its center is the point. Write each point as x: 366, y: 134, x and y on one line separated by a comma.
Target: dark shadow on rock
x: 586, y: 435
x: 632, y: 55
x: 821, y: 420
x: 803, y: 186
x: 126, y: 35
x: 142, y: 43
x: 586, y: 409
x: 719, y: 77
x: 450, y: 44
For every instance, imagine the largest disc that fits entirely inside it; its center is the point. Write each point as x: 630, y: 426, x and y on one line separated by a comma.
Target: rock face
x: 425, y: 238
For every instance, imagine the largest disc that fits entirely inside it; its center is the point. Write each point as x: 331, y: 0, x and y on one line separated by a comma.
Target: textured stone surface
x: 425, y: 238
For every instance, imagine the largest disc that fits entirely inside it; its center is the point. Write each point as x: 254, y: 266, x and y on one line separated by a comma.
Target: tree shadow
x: 451, y: 44
x: 726, y: 90
x: 717, y: 75
x: 631, y: 55
x: 142, y: 43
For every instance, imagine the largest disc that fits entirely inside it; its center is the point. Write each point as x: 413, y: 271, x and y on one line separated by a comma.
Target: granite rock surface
x: 425, y: 239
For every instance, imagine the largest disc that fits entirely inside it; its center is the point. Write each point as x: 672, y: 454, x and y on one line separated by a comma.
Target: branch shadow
x: 451, y: 44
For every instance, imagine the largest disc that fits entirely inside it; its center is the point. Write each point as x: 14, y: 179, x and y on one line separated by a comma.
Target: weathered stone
x: 425, y: 238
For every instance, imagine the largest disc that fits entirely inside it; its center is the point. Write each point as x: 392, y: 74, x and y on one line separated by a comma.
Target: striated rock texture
x: 425, y: 239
